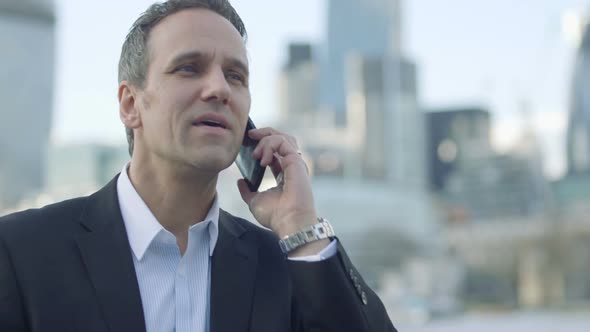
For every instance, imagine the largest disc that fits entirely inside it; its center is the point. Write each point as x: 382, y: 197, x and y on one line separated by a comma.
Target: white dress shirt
x: 174, y: 288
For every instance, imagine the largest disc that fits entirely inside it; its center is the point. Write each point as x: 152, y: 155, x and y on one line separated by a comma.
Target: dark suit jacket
x: 68, y: 267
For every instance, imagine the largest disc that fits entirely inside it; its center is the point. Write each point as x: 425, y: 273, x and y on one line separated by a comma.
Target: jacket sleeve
x: 331, y: 295
x: 12, y: 316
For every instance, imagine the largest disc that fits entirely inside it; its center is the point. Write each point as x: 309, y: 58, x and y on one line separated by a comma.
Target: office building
x: 368, y: 28
x: 578, y: 132
x: 26, y: 91
x: 455, y: 134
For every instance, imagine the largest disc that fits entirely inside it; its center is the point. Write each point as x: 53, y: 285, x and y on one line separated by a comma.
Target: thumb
x: 245, y: 192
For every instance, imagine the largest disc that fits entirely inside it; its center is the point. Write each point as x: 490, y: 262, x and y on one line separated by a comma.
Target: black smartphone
x: 250, y: 168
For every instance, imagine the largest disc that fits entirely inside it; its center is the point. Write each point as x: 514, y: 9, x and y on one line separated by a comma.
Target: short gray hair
x: 134, y: 60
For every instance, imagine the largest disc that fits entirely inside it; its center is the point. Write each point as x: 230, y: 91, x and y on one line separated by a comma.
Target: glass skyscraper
x: 366, y: 28
x: 26, y: 95
x: 578, y: 134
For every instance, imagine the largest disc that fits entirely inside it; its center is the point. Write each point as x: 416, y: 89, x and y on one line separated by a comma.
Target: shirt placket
x: 191, y: 283
x: 182, y: 297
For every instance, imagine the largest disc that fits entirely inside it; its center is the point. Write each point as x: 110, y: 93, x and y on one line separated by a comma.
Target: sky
x: 510, y: 57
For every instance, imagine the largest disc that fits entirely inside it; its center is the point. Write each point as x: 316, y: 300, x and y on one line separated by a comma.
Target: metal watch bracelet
x: 322, y: 230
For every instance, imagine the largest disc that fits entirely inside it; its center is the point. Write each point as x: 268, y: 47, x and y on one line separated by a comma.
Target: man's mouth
x: 211, y: 120
x: 210, y: 123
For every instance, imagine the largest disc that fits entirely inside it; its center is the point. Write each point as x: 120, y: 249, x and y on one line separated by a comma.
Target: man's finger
x: 270, y: 145
x: 245, y: 192
x: 259, y: 133
x: 275, y: 167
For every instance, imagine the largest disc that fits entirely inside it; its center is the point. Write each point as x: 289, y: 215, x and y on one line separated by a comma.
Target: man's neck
x: 178, y: 200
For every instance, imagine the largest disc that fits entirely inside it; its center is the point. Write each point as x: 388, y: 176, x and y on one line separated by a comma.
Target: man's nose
x: 216, y: 87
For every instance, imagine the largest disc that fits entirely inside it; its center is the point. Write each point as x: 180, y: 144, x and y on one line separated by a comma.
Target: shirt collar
x: 141, y: 224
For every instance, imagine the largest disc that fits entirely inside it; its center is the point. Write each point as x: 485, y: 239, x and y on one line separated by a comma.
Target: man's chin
x: 211, y: 163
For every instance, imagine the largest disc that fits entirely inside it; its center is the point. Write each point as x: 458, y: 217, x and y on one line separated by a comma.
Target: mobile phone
x: 250, y: 168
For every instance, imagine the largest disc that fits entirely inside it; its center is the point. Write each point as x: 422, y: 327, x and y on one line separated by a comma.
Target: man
x: 152, y: 251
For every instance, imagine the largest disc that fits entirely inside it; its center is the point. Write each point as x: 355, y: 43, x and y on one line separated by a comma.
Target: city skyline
x: 457, y: 39
x: 483, y: 227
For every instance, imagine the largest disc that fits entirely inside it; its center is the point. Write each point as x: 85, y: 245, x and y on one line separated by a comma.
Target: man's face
x: 195, y: 102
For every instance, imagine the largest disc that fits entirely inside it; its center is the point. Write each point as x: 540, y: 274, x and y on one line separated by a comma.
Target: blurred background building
x: 353, y: 103
x: 476, y: 182
x: 379, y: 19
x: 26, y: 92
x: 578, y: 132
x: 456, y: 136
x: 76, y: 170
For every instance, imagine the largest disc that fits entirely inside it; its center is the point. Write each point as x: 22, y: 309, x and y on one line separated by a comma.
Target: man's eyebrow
x: 192, y: 55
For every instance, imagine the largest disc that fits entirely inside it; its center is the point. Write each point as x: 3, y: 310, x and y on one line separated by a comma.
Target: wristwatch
x: 322, y: 230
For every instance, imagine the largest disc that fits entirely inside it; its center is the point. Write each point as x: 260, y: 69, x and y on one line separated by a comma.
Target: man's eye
x: 187, y: 69
x: 234, y: 76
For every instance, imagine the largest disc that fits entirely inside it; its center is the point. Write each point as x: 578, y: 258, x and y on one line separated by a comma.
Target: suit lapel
x: 107, y: 256
x: 233, y: 276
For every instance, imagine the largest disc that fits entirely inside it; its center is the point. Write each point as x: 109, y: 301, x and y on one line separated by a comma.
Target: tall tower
x: 365, y: 143
x: 578, y: 133
x: 367, y: 28
x: 364, y: 122
x: 26, y: 95
x: 299, y: 86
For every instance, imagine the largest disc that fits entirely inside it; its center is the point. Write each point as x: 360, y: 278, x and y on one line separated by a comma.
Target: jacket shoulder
x: 40, y: 219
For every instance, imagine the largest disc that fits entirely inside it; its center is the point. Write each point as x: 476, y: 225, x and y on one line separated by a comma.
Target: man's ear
x: 128, y: 110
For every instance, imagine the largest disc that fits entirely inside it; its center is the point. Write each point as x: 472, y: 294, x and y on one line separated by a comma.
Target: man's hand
x: 288, y: 207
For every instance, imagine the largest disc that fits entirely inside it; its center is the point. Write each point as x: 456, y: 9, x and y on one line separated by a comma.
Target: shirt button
x: 364, y: 298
